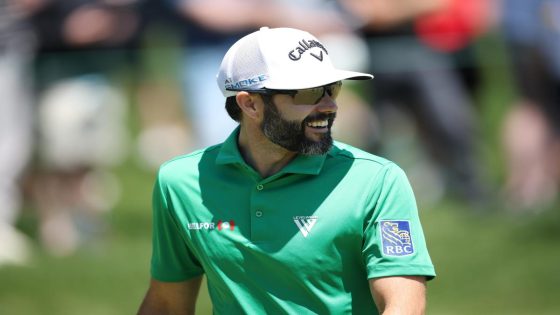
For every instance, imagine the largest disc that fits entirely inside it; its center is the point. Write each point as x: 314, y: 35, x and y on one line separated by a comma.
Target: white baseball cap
x: 279, y: 59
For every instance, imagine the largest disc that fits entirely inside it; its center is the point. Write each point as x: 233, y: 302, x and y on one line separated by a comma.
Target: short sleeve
x: 394, y: 243
x: 172, y: 260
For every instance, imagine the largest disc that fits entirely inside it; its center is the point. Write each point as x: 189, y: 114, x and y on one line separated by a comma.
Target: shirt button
x: 260, y: 187
x: 258, y: 213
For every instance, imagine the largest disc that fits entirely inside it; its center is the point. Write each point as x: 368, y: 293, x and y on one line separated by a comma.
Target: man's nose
x: 327, y: 105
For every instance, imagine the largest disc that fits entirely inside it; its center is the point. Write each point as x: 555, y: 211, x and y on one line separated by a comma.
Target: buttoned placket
x: 259, y: 204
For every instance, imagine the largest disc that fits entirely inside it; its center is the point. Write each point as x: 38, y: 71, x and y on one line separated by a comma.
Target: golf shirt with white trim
x: 302, y: 241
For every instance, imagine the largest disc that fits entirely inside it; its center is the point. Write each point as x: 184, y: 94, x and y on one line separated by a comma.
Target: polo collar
x: 302, y: 164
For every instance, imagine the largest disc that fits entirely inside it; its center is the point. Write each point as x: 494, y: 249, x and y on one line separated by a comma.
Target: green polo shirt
x: 303, y: 241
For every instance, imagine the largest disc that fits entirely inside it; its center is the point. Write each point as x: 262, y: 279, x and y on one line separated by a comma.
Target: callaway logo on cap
x: 281, y: 59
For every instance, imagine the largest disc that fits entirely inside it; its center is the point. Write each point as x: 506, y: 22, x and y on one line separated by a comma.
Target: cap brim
x: 306, y: 82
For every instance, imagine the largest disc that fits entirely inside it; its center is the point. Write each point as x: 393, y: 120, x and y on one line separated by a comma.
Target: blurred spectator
x: 412, y: 46
x: 163, y: 130
x: 532, y: 127
x: 84, y: 47
x: 211, y: 26
x: 17, y: 46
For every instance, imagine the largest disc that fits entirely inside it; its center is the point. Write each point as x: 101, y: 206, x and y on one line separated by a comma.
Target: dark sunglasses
x: 310, y: 96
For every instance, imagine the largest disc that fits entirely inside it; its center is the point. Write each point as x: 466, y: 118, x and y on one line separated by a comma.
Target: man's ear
x: 250, y: 104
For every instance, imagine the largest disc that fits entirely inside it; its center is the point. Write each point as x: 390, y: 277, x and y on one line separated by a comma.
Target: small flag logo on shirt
x: 396, y: 238
x: 224, y: 225
x: 305, y: 224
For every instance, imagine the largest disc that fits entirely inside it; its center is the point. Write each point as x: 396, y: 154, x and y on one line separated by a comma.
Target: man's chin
x: 320, y: 147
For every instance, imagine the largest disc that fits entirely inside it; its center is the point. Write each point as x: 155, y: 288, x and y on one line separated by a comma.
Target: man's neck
x: 265, y: 157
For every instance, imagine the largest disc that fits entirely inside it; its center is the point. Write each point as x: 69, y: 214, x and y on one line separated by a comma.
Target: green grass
x: 493, y: 263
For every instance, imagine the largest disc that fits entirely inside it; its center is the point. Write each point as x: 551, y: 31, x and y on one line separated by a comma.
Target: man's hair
x: 233, y: 109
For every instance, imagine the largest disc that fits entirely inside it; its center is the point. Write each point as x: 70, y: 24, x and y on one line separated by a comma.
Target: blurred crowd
x: 88, y: 84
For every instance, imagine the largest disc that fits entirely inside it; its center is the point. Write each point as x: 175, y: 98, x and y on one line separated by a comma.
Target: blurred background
x: 95, y: 95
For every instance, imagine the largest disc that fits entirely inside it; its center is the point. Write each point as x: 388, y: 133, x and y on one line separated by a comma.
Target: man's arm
x: 399, y: 295
x: 171, y: 298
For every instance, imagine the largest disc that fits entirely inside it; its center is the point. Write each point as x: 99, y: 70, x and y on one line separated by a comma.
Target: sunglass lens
x: 334, y: 89
x: 309, y: 96
x: 314, y: 95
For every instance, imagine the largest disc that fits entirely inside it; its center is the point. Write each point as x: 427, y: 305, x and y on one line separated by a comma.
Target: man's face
x: 308, y: 136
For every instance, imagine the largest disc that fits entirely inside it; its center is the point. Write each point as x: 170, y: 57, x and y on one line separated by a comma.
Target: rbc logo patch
x: 396, y: 238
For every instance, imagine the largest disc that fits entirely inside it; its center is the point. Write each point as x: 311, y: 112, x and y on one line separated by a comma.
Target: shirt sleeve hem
x: 176, y: 277
x: 408, y: 270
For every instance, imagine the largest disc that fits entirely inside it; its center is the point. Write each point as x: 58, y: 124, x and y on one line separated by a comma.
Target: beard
x: 290, y: 134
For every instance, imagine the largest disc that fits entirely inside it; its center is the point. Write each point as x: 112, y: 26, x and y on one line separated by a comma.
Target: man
x: 17, y: 50
x: 279, y: 218
x: 531, y: 129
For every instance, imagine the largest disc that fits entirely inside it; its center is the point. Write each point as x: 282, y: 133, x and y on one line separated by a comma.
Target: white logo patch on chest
x: 305, y: 224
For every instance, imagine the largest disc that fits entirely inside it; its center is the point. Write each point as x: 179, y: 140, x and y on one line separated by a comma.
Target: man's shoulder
x: 187, y: 163
x: 343, y: 151
x: 364, y: 164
